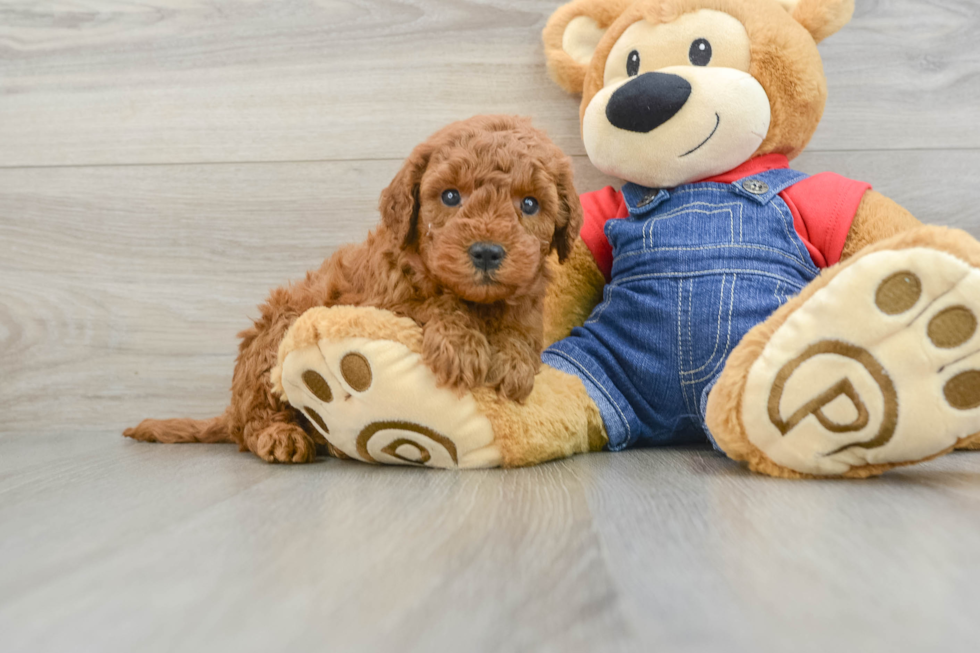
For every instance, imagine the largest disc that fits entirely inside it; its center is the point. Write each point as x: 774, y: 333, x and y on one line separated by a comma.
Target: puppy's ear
x: 568, y: 225
x: 399, y: 204
x: 820, y: 17
x: 571, y: 37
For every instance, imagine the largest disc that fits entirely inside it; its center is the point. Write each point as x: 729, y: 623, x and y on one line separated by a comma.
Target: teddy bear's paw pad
x: 881, y: 366
x: 375, y: 401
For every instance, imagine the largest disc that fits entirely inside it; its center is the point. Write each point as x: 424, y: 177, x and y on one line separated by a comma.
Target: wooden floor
x: 164, y: 164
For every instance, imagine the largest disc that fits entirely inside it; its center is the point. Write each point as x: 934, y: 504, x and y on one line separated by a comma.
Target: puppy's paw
x: 284, y: 443
x: 460, y: 358
x: 145, y: 431
x: 512, y: 374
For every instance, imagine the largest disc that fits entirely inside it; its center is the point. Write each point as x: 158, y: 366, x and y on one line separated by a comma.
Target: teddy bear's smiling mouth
x: 717, y: 122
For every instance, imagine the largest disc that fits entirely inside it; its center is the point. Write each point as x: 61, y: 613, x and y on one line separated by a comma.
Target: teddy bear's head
x: 679, y: 90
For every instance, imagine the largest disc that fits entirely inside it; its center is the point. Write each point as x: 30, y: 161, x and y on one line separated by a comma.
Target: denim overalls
x: 694, y: 268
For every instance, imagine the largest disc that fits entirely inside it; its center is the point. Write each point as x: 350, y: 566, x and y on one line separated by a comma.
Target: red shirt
x: 823, y: 208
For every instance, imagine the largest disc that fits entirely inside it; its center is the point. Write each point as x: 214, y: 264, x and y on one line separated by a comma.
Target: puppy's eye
x: 451, y: 197
x: 529, y: 206
x: 633, y: 63
x: 700, y: 53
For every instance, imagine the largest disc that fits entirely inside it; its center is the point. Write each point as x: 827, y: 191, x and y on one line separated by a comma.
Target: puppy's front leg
x: 456, y: 352
x: 515, y: 361
x: 260, y: 421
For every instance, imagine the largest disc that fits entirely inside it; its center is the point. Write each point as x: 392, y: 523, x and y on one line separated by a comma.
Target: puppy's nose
x: 487, y: 256
x: 648, y: 101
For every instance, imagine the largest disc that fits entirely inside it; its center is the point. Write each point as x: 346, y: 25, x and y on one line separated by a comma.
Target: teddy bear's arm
x: 575, y: 289
x: 877, y: 218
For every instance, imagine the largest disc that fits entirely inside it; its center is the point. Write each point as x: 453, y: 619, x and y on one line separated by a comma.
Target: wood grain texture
x: 124, y: 286
x: 164, y: 164
x: 244, y: 556
x: 122, y: 547
x: 879, y: 566
x: 92, y: 82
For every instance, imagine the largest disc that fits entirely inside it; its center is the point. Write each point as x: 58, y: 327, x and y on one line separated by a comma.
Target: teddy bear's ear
x: 820, y: 17
x: 571, y: 37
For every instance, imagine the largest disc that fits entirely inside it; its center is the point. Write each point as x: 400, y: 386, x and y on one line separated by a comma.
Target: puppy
x: 466, y: 228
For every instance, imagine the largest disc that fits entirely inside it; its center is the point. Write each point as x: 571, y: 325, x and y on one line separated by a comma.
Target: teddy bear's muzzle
x: 648, y: 101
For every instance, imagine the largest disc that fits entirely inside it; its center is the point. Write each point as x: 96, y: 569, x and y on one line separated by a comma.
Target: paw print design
x: 880, y: 366
x: 376, y: 401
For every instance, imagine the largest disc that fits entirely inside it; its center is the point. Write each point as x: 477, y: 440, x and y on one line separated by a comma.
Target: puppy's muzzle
x: 487, y: 257
x: 648, y: 101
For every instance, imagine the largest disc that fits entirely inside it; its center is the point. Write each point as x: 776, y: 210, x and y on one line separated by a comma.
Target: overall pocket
x: 705, y: 307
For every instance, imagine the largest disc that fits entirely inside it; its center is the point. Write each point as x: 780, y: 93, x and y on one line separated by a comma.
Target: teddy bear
x: 806, y: 325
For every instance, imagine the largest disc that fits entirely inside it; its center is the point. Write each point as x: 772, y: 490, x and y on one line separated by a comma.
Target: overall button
x: 755, y: 186
x: 648, y: 197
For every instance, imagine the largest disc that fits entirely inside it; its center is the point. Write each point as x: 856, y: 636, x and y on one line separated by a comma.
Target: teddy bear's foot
x: 357, y: 375
x: 876, y: 365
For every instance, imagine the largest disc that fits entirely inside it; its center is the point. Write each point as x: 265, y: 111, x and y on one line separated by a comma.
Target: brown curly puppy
x: 466, y: 228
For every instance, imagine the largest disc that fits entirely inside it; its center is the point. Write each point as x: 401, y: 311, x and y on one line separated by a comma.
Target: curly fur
x: 477, y: 328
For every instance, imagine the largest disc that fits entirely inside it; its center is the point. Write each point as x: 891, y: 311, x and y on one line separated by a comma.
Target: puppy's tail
x: 181, y: 430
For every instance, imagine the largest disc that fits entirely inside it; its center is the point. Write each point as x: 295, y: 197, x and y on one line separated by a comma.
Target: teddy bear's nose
x: 648, y: 101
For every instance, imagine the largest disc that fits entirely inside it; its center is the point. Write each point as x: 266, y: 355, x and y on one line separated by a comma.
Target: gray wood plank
x: 121, y: 284
x: 125, y: 546
x: 713, y: 559
x: 159, y: 82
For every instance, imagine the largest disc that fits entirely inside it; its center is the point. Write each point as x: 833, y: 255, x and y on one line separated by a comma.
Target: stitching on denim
x: 728, y: 342
x: 761, y: 248
x: 690, y: 335
x: 689, y: 208
x: 731, y: 224
x: 690, y: 341
x: 793, y: 237
x: 721, y: 307
x: 783, y: 296
x: 680, y: 339
x: 779, y: 180
x: 601, y: 387
x: 597, y: 313
x: 721, y: 189
x: 636, y: 210
x: 702, y: 273
x: 718, y: 188
x: 786, y: 229
x: 690, y: 350
x: 741, y: 221
x: 690, y: 314
x: 789, y: 178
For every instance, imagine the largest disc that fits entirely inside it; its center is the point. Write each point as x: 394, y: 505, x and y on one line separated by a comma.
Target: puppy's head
x: 483, y: 202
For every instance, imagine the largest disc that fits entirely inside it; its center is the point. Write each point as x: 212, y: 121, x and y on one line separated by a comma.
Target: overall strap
x: 762, y: 187
x: 640, y: 200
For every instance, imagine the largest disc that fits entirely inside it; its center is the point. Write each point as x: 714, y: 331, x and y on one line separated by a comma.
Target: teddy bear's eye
x: 700, y: 53
x: 451, y: 197
x: 633, y: 63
